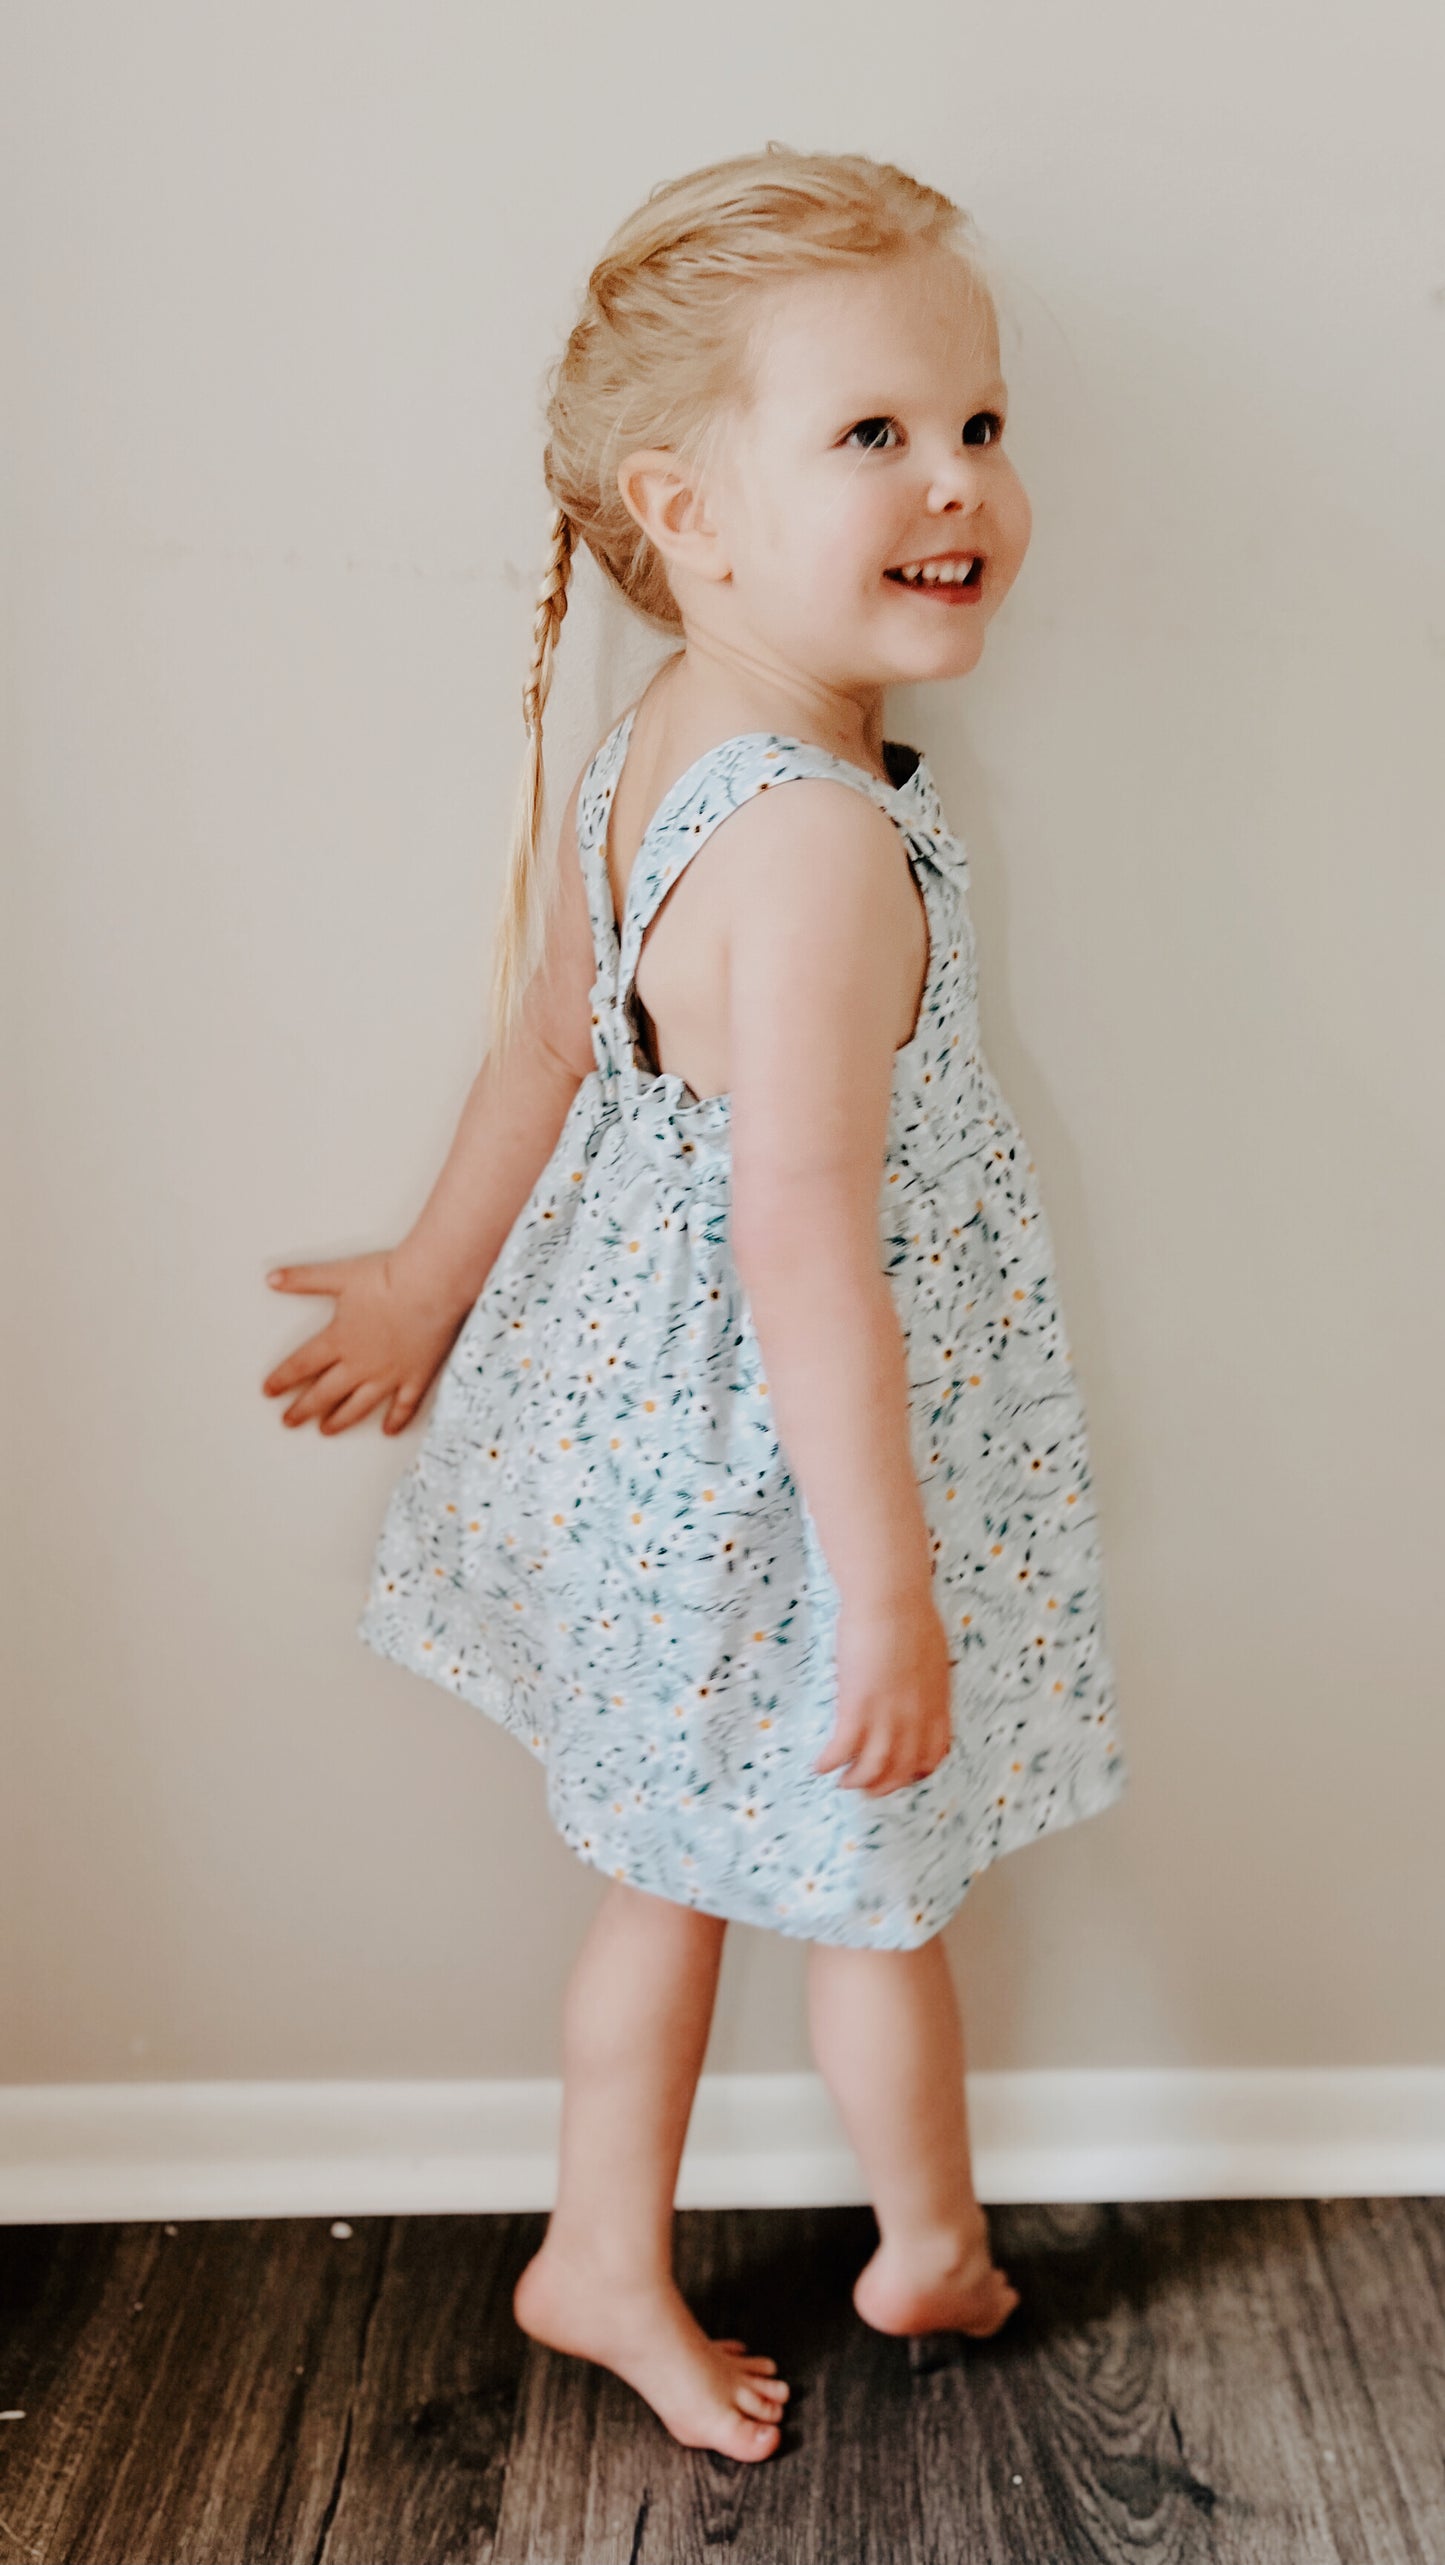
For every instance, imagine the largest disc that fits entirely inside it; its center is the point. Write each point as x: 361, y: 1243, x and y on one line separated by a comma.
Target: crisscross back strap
x: 715, y: 785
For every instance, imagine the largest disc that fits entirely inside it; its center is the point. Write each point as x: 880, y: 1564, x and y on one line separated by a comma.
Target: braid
x: 547, y: 621
x: 516, y: 955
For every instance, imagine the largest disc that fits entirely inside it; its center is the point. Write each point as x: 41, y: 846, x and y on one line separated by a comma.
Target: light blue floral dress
x: 600, y: 1542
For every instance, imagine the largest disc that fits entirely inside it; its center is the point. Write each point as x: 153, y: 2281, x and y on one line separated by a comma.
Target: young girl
x: 755, y: 1500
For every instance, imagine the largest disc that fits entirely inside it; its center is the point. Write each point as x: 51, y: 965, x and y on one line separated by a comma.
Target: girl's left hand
x: 892, y: 1722
x: 388, y: 1336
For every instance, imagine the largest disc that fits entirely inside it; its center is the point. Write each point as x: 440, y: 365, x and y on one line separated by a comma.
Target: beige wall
x: 287, y: 280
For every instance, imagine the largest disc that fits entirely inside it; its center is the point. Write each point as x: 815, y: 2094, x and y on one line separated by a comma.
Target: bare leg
x: 636, y: 2017
x: 888, y: 2040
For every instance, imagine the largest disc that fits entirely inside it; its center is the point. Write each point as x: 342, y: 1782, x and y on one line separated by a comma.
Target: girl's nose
x: 956, y: 481
x: 957, y: 487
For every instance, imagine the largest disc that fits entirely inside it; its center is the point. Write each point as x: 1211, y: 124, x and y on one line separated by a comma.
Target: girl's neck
x: 718, y: 691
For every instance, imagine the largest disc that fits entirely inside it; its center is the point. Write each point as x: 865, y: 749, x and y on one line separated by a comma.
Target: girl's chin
x: 942, y: 655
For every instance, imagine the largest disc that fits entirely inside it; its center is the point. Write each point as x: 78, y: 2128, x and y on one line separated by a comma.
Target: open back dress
x: 600, y: 1541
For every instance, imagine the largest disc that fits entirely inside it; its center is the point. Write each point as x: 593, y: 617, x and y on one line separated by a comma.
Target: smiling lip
x: 949, y: 587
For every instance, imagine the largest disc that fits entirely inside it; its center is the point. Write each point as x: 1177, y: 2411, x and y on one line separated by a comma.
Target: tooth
x: 929, y: 573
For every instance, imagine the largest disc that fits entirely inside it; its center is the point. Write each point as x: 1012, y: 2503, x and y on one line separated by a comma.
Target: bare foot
x: 709, y: 2395
x: 947, y: 2287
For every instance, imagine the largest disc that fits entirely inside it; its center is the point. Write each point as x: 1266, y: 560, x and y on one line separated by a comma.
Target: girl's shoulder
x: 696, y: 793
x: 838, y: 821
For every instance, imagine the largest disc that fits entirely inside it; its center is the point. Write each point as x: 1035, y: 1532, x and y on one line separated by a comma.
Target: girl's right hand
x: 387, y: 1338
x: 892, y: 1722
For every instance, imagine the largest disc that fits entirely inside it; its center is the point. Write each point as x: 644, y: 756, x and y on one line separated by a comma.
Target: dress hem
x: 497, y: 1702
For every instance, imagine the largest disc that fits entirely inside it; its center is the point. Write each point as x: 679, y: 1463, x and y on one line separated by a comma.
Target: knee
x: 667, y: 1914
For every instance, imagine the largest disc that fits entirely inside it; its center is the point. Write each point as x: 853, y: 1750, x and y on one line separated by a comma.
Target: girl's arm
x: 516, y: 1107
x: 398, y: 1310
x: 826, y: 950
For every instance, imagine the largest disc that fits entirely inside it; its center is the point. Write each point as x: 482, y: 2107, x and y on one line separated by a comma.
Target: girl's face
x: 868, y: 464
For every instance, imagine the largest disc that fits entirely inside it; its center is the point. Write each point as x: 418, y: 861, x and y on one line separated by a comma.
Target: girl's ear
x: 671, y: 508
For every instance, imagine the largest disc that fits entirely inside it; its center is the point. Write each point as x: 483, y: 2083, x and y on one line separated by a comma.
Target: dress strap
x: 595, y: 795
x: 715, y: 785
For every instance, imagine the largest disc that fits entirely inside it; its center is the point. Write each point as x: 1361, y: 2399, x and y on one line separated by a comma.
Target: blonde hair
x: 658, y: 357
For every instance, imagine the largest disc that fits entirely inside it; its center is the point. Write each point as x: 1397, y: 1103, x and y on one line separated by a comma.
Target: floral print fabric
x: 600, y: 1542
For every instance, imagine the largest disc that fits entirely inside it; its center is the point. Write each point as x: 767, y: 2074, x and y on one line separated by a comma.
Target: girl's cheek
x: 1022, y: 522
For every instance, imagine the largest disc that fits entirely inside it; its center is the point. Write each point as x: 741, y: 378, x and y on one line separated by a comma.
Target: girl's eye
x: 983, y: 419
x: 867, y: 429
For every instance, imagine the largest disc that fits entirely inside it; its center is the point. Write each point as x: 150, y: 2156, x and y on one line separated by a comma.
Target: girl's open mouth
x: 955, y: 578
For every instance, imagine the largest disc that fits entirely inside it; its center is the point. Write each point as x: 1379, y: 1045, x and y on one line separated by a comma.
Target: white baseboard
x: 78, y: 2152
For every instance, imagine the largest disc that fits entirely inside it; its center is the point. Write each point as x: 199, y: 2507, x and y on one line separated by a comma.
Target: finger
x: 841, y: 1747
x: 911, y: 1763
x: 367, y: 1395
x: 888, y: 1772
x: 913, y: 1773
x: 868, y: 1777
x: 401, y: 1411
x: 303, y: 1364
x: 905, y: 1762
x: 326, y: 1387
x: 305, y: 1278
x: 873, y: 1755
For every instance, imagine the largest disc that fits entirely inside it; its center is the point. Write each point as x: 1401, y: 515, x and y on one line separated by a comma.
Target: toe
x: 755, y: 2402
x: 740, y: 2435
x: 761, y: 2395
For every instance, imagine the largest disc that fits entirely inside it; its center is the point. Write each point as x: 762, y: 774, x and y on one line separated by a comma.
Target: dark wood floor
x: 1260, y: 2381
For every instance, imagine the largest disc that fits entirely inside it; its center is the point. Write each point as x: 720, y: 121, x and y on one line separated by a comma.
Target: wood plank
x: 1271, y: 2413
x: 1216, y: 2277
x: 1387, y: 2299
x: 1365, y: 2514
x: 434, y: 2413
x: 1052, y: 2441
x: 840, y: 2484
x: 205, y: 2418
x: 557, y: 2422
x: 67, y: 2299
x: 1219, y: 2280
